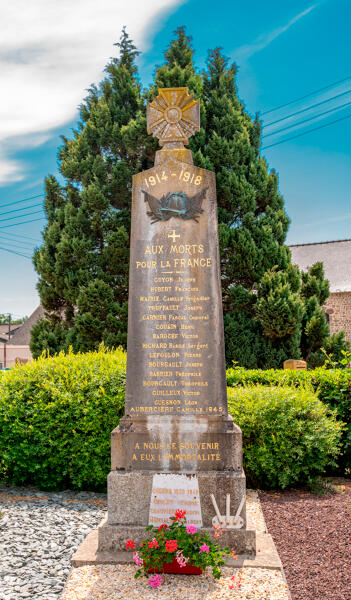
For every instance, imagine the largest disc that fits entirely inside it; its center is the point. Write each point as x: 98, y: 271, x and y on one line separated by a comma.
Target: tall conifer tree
x: 83, y: 264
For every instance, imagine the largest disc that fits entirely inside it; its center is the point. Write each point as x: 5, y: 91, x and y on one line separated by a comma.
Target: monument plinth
x: 176, y: 418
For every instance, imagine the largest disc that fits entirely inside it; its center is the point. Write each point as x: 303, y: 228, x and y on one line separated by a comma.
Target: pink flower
x: 137, y: 559
x: 181, y: 560
x: 155, y: 580
x: 204, y: 548
x: 191, y: 529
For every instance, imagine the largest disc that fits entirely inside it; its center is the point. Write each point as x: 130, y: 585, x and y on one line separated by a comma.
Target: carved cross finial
x: 173, y: 116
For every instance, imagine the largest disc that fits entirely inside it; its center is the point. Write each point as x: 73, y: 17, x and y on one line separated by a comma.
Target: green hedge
x: 333, y: 387
x: 56, y: 416
x: 289, y: 435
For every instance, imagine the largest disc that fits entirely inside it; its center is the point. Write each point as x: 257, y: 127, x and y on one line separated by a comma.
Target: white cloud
x: 262, y: 41
x: 50, y: 52
x: 10, y: 170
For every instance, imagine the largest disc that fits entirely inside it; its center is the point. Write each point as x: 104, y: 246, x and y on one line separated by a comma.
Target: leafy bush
x: 57, y: 413
x: 56, y: 416
x: 289, y: 435
x: 333, y: 386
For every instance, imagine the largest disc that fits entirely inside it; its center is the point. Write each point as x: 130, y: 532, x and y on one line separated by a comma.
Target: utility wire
x: 20, y: 235
x: 326, y: 87
x: 22, y: 223
x: 24, y: 200
x: 19, y: 209
x: 306, y: 132
x: 10, y: 243
x: 308, y: 108
x: 308, y: 119
x: 35, y: 212
x: 16, y: 240
x: 14, y: 252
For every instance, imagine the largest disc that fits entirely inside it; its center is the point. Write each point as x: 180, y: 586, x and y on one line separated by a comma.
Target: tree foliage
x: 271, y: 312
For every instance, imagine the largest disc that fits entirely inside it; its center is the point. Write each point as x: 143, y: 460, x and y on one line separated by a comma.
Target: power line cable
x: 326, y: 87
x: 35, y: 212
x: 298, y: 112
x: 16, y: 240
x: 19, y: 209
x: 306, y: 132
x: 308, y: 119
x: 22, y: 223
x: 14, y: 252
x: 19, y: 201
x: 10, y: 243
x: 20, y: 235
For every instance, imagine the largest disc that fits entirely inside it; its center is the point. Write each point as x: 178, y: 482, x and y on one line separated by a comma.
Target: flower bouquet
x: 176, y: 548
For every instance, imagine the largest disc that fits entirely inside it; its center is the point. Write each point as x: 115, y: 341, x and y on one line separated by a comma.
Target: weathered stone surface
x: 126, y: 508
x: 266, y: 555
x: 190, y: 444
x: 294, y: 364
x: 176, y: 364
x: 112, y: 538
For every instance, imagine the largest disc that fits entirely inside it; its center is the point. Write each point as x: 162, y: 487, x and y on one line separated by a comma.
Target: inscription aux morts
x: 175, y: 340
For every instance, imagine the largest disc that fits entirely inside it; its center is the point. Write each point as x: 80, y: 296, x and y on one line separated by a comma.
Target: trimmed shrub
x: 57, y: 413
x: 333, y: 387
x: 289, y: 435
x: 56, y: 416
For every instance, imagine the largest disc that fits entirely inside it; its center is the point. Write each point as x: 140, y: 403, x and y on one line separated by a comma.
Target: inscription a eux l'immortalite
x: 176, y: 365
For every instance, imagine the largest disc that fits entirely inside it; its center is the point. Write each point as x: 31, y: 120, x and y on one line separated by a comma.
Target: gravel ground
x: 39, y: 532
x: 116, y: 582
x: 313, y: 537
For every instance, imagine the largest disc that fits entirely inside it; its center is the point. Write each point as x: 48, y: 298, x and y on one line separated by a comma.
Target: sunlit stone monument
x: 176, y: 428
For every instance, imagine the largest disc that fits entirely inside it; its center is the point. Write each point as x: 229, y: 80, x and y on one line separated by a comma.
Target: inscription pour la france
x: 176, y: 308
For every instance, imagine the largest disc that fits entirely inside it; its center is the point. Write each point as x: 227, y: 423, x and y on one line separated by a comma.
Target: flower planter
x: 175, y: 568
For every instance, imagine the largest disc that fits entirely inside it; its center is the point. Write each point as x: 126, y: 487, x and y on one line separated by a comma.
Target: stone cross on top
x: 173, y: 116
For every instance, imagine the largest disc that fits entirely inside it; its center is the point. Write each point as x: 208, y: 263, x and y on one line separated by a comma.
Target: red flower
x: 179, y: 514
x: 153, y: 544
x: 171, y: 545
x: 130, y: 545
x: 164, y: 526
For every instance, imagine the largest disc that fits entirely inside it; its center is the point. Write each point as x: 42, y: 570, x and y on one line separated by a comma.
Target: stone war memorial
x: 176, y: 446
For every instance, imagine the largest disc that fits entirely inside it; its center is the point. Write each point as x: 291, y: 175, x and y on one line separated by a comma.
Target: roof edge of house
x: 319, y: 243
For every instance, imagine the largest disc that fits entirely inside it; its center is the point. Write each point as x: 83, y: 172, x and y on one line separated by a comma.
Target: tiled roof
x: 336, y: 259
x: 4, y: 327
x: 22, y: 336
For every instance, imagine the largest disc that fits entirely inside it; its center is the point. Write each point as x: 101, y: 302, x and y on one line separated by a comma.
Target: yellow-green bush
x: 289, y: 435
x: 333, y: 387
x: 57, y: 413
x: 56, y: 416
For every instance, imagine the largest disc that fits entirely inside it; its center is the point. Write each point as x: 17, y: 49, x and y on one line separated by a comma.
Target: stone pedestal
x: 209, y: 447
x: 176, y: 416
x: 128, y: 501
x: 187, y: 444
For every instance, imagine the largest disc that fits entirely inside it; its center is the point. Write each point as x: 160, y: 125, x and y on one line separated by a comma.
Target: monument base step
x: 88, y: 553
x: 112, y: 538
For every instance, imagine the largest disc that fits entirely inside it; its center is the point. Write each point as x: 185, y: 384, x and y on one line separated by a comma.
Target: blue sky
x: 50, y: 52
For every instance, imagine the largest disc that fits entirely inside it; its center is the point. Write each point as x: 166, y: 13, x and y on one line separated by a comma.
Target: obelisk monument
x: 176, y: 419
